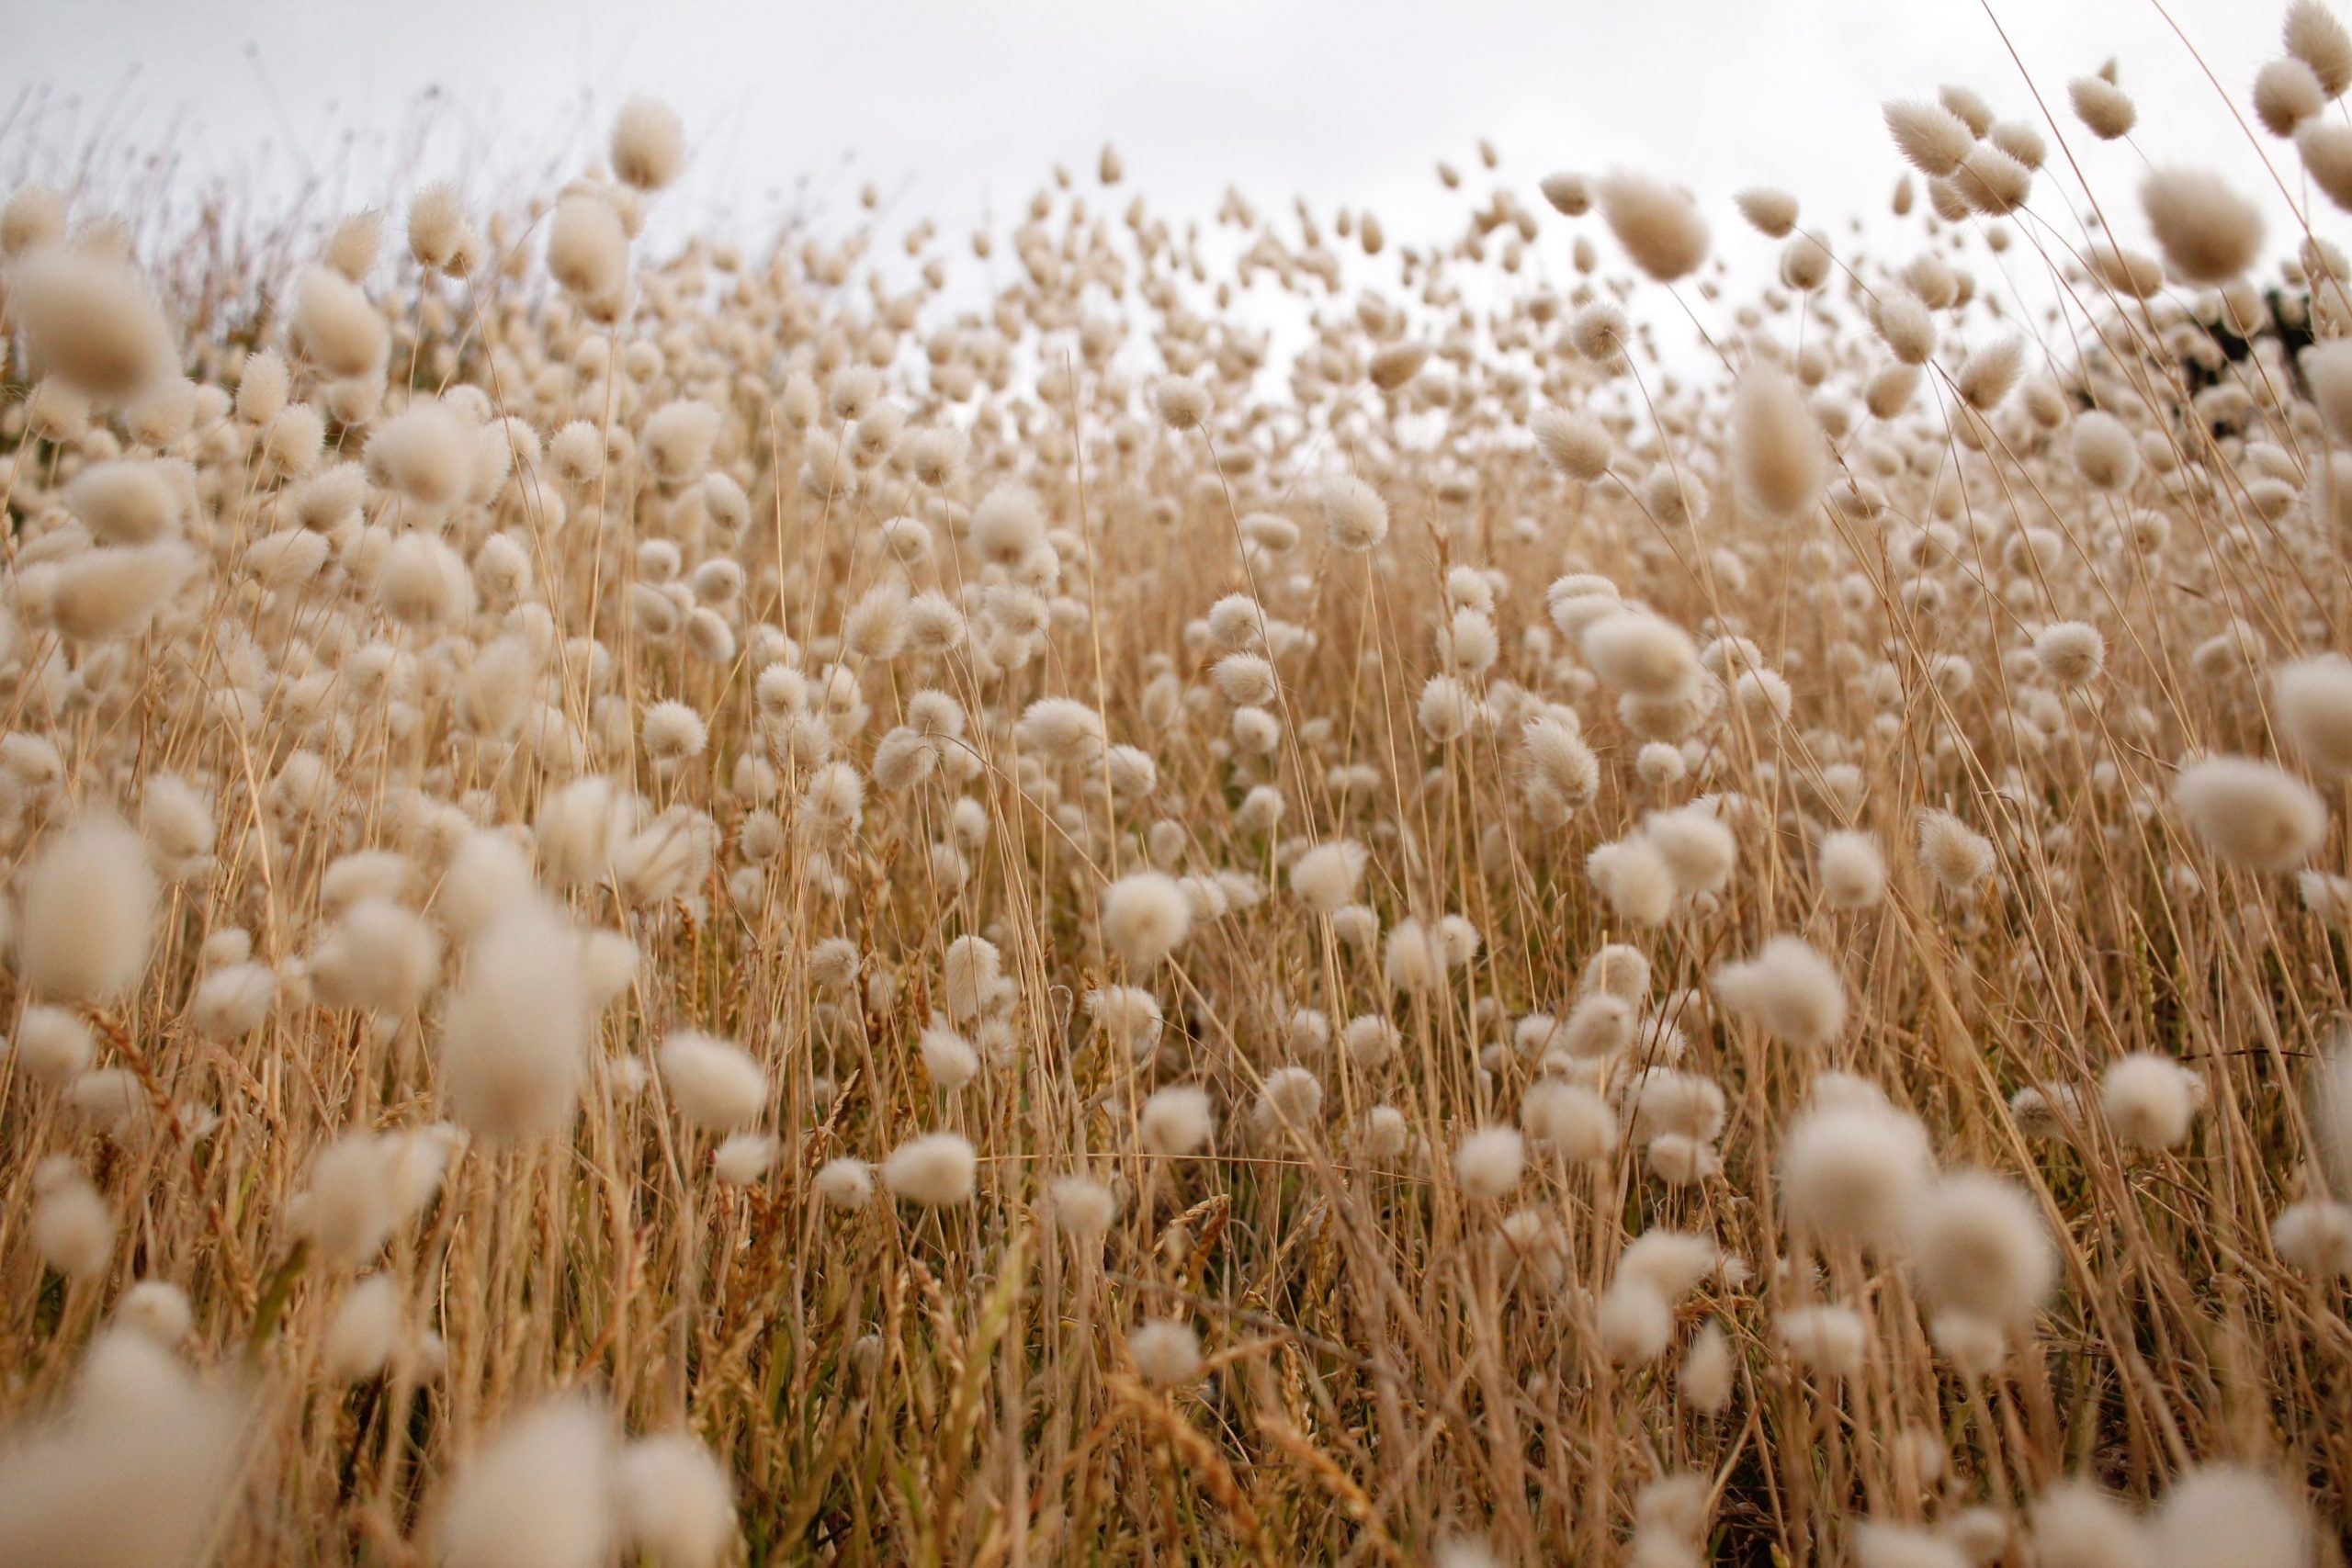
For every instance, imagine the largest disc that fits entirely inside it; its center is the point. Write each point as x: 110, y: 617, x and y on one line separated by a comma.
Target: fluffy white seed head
x: 1575, y: 445
x: 1980, y: 1250
x: 935, y: 1170
x: 1854, y: 871
x: 714, y: 1083
x: 649, y: 145
x: 2209, y: 234
x: 1641, y: 654
x: 2106, y: 110
x: 1008, y: 525
x: 348, y: 1211
x: 379, y: 957
x: 948, y: 1059
x: 2105, y: 454
x: 587, y: 249
x: 1166, y: 1353
x: 73, y: 1229
x: 1670, y: 1262
x: 2286, y: 94
x: 1181, y: 403
x: 91, y: 322
x: 1931, y: 136
x: 1569, y: 1119
x: 1355, y: 518
x: 1602, y: 1025
x: 2071, y: 653
x: 845, y: 1182
x: 1635, y: 1323
x: 1569, y: 192
x: 1175, y: 1121
x: 335, y: 326
x: 2077, y: 1525
x: 1327, y: 876
x: 1658, y: 225
x: 2315, y: 1236
x: 1414, y: 959
x: 1851, y: 1174
x: 1084, y: 1207
x: 86, y: 912
x: 2150, y: 1100
x: 53, y: 1046
x: 2233, y: 1514
x: 742, y: 1158
x: 436, y: 218
x: 1697, y: 846
x: 1776, y: 447
x: 1709, y: 1368
x: 134, y: 1474
x: 1772, y: 211
x: 34, y: 215
x: 125, y: 502
x: 1129, y: 1016
x: 1789, y: 991
x: 159, y: 1310
x: 100, y: 595
x: 1955, y: 854
x: 1633, y: 879
x: 1874, y: 1544
x: 2251, y: 813
x: 679, y: 439
x: 2312, y: 700
x: 538, y: 1496
x: 676, y: 1502
x: 1830, y: 1342
x: 1062, y: 730
x: 1146, y: 916
x: 2312, y: 34
x: 515, y: 1033
x: 1488, y: 1163
x: 1244, y: 679
x: 673, y: 732
x: 365, y: 1330
x: 579, y: 829
x: 972, y: 971
x: 425, y: 452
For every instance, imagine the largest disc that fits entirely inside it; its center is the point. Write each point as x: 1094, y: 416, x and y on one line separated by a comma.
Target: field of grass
x: 705, y: 904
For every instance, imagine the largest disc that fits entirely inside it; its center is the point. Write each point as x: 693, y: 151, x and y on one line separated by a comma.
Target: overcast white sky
x: 957, y: 107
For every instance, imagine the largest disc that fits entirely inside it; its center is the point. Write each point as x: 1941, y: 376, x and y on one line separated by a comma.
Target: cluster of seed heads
x: 695, y: 907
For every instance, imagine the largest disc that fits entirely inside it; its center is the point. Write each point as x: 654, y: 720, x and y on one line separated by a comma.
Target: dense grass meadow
x: 908, y: 897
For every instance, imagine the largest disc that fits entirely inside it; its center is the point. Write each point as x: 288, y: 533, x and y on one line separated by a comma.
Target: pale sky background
x: 959, y: 109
